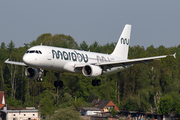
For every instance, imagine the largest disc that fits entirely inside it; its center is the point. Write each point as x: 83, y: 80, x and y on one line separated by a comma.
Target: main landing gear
x: 96, y: 82
x: 58, y: 83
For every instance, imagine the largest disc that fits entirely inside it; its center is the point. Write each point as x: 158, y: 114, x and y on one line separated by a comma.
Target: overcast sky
x: 154, y: 22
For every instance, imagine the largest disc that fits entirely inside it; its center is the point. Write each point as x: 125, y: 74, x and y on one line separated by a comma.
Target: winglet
x: 7, y: 60
x: 174, y: 55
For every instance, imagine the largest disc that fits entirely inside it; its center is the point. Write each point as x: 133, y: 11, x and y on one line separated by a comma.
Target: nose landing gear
x: 40, y: 74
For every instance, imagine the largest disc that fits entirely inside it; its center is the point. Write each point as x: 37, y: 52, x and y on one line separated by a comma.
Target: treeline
x: 153, y: 87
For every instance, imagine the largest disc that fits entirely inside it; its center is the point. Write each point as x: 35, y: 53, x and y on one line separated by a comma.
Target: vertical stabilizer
x: 122, y: 47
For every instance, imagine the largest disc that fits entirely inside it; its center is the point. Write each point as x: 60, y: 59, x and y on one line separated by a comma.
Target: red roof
x: 1, y: 105
x: 2, y: 98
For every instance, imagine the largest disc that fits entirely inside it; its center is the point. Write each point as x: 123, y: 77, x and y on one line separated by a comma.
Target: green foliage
x: 113, y: 112
x: 67, y: 101
x: 58, y: 40
x: 3, y: 46
x: 62, y: 114
x: 13, y: 102
x: 166, y: 104
x: 84, y: 46
x: 10, y: 46
x: 131, y: 104
x: 47, y: 103
x: 95, y: 47
x: 177, y: 107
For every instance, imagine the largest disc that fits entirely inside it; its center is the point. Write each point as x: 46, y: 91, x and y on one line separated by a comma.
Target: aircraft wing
x: 15, y: 63
x: 127, y: 62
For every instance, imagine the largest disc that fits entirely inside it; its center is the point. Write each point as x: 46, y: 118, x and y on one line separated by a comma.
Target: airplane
x: 90, y: 64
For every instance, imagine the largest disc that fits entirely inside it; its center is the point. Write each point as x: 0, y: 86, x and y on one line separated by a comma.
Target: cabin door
x: 49, y: 54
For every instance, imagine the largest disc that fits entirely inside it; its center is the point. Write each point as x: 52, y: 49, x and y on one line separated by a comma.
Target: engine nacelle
x: 32, y: 73
x: 92, y: 71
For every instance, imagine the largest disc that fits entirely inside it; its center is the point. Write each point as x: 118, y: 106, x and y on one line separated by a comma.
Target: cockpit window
x: 34, y: 51
x: 40, y: 52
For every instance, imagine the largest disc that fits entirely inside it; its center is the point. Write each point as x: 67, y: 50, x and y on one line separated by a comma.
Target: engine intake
x: 91, y: 71
x: 32, y: 73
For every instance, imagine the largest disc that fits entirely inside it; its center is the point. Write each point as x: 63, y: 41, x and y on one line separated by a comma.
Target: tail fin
x: 122, y: 47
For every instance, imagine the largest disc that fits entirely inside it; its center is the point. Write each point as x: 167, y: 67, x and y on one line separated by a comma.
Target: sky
x: 154, y: 22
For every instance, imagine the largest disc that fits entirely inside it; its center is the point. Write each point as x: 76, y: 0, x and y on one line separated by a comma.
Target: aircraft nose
x: 26, y: 59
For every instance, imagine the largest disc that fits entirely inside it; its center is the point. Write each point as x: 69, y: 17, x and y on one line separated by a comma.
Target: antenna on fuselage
x: 41, y: 44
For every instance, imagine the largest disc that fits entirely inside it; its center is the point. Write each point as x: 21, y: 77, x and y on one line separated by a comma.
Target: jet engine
x: 32, y: 73
x: 92, y: 71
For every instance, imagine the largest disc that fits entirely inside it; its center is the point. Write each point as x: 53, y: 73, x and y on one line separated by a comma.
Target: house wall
x: 22, y: 116
x: 89, y: 112
x: 92, y: 112
x: 110, y: 104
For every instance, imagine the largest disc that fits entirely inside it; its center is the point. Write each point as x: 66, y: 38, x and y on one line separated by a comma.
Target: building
x: 20, y: 114
x: 101, y: 107
x: 90, y: 110
x: 30, y: 113
x: 104, y: 105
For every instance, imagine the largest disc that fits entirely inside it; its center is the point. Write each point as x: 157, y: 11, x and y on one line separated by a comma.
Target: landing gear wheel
x: 55, y: 84
x: 39, y: 79
x: 98, y: 82
x: 60, y: 84
x: 94, y: 82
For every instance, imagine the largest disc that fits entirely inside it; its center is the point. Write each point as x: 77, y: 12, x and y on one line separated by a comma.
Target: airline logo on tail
x: 124, y: 41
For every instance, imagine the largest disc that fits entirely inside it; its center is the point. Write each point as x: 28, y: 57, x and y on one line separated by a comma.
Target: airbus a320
x: 90, y: 64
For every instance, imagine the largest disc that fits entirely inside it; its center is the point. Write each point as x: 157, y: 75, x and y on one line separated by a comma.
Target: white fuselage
x: 64, y: 60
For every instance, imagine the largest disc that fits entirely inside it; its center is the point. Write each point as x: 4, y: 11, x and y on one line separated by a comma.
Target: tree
x: 84, y: 46
x: 10, y: 46
x: 13, y: 102
x: 166, y: 104
x: 57, y: 40
x: 66, y: 101
x: 131, y: 104
x: 3, y: 46
x: 12, y: 68
x: 68, y: 113
x: 3, y: 56
x: 177, y: 107
x: 113, y: 112
x: 47, y: 104
x: 95, y: 47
